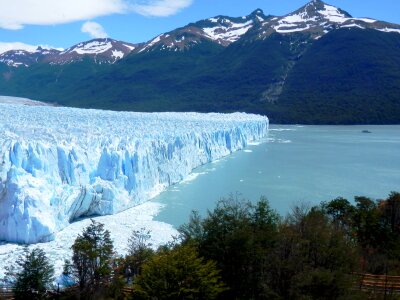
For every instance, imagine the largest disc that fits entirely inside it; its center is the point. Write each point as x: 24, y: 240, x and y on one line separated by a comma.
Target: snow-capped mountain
x: 317, y: 18
x: 104, y: 50
x: 99, y: 50
x: 17, y: 58
x: 222, y: 30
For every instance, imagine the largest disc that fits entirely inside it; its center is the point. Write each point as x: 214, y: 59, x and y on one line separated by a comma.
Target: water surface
x: 295, y: 164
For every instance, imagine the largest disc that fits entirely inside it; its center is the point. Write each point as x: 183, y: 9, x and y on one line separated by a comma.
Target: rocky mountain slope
x: 315, y: 65
x: 99, y: 50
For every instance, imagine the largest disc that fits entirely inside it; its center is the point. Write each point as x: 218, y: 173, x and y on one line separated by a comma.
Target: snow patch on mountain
x: 366, y: 20
x: 129, y: 47
x: 117, y: 54
x: 152, y: 42
x: 294, y: 23
x: 12, y: 63
x: 94, y: 47
x: 229, y: 31
x: 389, y: 30
x: 333, y: 14
x: 260, y: 19
x: 293, y: 19
x: 61, y: 164
x: 353, y: 26
x: 291, y: 30
x: 181, y: 39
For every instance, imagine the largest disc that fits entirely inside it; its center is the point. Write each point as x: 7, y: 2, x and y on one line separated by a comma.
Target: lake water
x: 295, y: 164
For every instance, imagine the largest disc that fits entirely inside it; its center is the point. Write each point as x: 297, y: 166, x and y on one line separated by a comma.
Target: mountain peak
x: 316, y: 17
x: 257, y: 12
x: 257, y: 15
x: 222, y: 30
x: 327, y: 11
x: 317, y: 3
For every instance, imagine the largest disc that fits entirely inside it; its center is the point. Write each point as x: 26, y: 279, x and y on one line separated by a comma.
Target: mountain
x: 316, y: 65
x: 99, y: 50
x: 319, y: 18
x: 222, y: 30
x: 17, y: 58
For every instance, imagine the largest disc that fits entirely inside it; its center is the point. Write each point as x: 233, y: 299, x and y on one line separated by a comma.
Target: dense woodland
x: 238, y: 250
x: 348, y: 76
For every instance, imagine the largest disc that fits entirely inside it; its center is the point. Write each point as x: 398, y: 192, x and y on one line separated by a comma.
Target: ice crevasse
x: 61, y: 164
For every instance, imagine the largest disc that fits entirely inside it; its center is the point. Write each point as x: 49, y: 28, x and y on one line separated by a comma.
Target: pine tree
x: 139, y: 251
x: 35, y: 277
x: 92, y: 257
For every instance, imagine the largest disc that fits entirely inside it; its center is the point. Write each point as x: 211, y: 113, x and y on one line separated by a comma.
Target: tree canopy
x: 179, y: 273
x: 35, y: 276
x: 92, y: 257
x: 238, y: 250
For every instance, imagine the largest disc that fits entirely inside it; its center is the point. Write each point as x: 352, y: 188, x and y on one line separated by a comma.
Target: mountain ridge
x: 221, y: 29
x: 257, y: 63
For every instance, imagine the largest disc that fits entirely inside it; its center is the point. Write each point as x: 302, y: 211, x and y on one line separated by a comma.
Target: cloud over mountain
x: 16, y: 14
x: 159, y: 8
x: 4, y: 47
x: 95, y: 30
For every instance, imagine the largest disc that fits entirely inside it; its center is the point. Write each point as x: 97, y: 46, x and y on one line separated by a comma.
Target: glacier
x: 59, y: 165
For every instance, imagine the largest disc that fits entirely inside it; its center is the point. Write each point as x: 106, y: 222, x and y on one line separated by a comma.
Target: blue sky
x: 63, y: 23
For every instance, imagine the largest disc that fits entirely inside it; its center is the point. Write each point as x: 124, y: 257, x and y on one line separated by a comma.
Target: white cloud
x: 159, y: 8
x: 14, y: 14
x: 95, y: 30
x: 4, y: 47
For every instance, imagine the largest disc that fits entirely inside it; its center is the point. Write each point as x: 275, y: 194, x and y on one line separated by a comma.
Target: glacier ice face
x: 61, y: 164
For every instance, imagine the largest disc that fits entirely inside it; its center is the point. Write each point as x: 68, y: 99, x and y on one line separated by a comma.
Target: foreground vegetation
x: 239, y: 250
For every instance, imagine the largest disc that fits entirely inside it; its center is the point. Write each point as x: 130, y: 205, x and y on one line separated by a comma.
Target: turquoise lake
x: 295, y: 164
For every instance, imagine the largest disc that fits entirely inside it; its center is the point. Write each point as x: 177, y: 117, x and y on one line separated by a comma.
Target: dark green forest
x: 348, y: 76
x: 238, y: 250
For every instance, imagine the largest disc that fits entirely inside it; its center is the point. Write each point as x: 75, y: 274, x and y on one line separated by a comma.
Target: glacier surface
x: 58, y: 165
